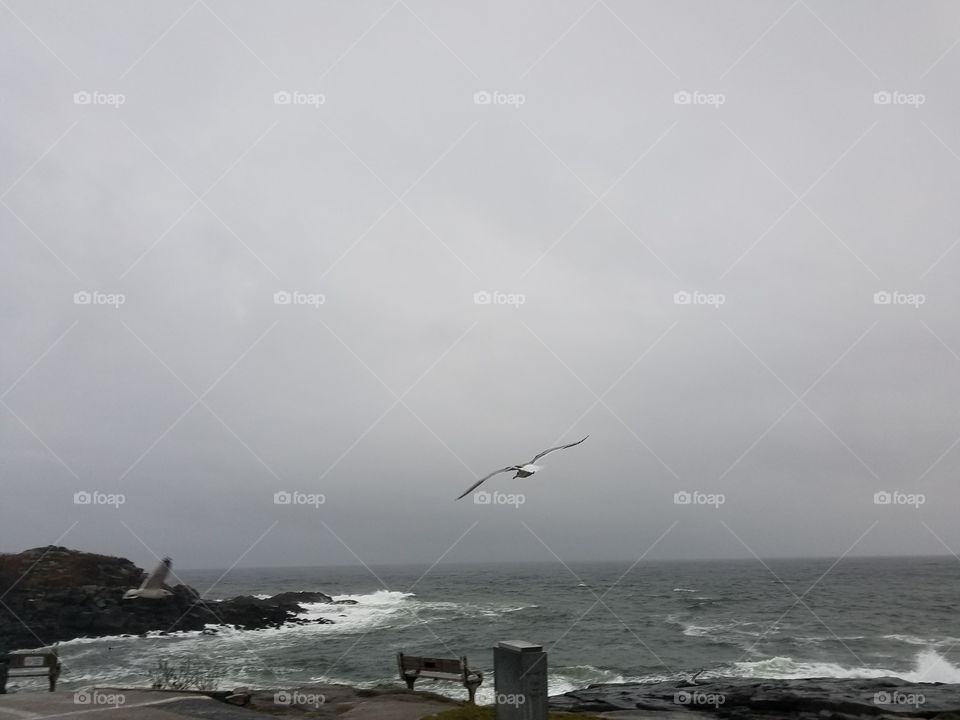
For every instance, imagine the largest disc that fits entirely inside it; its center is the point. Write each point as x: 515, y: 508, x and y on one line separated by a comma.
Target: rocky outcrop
x: 54, y: 594
x: 303, y: 597
x: 834, y: 698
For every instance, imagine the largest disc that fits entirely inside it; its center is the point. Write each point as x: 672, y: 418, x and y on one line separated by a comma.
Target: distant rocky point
x: 52, y: 594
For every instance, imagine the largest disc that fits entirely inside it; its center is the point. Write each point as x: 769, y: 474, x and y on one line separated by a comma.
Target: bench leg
x: 410, y: 682
x: 472, y: 689
x: 3, y: 678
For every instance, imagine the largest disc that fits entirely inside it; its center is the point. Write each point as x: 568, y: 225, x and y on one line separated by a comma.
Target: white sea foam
x: 108, y: 640
x: 372, y: 610
x: 726, y: 631
x: 817, y: 639
x: 518, y: 609
x: 926, y: 642
x: 378, y: 597
x: 388, y: 607
x: 380, y: 609
x: 698, y: 630
x: 928, y: 666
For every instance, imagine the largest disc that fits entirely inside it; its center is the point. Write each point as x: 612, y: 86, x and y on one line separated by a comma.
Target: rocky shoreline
x: 54, y: 594
x: 833, y: 698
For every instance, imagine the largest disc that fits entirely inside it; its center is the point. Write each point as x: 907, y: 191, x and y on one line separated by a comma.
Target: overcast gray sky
x: 167, y: 169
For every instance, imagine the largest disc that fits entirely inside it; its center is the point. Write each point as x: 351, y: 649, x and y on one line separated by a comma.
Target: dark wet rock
x: 302, y: 597
x: 834, y: 698
x: 239, y: 696
x: 55, y: 594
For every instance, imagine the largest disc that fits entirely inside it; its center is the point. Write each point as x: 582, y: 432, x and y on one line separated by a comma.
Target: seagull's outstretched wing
x: 479, y: 482
x: 560, y: 447
x: 158, y: 577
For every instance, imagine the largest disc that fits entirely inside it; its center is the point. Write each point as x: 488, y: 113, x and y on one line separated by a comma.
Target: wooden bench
x: 412, y: 668
x: 42, y: 662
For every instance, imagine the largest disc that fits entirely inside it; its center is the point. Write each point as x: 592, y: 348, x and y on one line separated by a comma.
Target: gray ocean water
x: 863, y: 618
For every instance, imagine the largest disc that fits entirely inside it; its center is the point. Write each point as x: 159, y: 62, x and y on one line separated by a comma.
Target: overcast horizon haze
x: 279, y: 282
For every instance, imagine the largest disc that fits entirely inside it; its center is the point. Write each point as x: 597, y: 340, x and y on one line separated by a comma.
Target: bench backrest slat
x: 26, y: 661
x: 426, y: 665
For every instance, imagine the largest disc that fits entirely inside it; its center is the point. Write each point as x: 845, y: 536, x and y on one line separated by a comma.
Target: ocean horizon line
x: 554, y: 563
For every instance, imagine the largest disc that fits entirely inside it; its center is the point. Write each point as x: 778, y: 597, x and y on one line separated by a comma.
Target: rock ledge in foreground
x: 820, y: 698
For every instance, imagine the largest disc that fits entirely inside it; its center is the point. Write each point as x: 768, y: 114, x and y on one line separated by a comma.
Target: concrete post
x: 520, y: 681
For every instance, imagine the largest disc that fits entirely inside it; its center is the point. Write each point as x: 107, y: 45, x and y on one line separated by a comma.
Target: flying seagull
x: 153, y: 588
x: 522, y: 470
